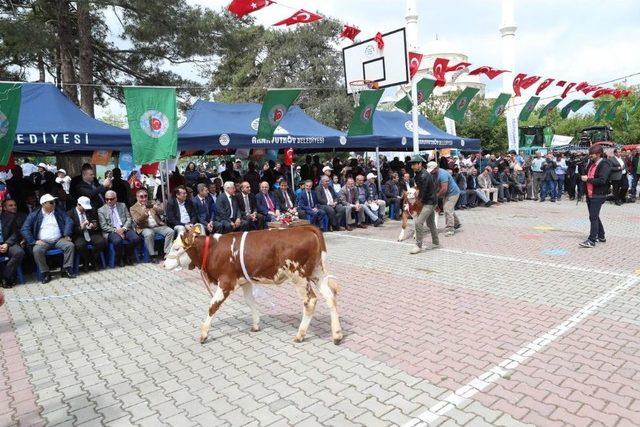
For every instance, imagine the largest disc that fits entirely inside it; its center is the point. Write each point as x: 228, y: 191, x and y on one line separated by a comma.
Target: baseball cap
x: 431, y: 166
x: 63, y: 171
x: 84, y: 202
x: 370, y: 175
x: 417, y: 158
x: 327, y: 168
x: 42, y: 165
x: 46, y: 198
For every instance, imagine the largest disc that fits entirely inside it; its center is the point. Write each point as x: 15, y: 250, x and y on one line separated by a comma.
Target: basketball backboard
x: 388, y: 66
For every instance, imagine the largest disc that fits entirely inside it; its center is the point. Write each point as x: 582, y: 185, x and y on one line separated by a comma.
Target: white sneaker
x: 415, y: 250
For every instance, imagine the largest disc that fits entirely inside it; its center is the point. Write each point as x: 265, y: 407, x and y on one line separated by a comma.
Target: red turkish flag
x: 491, y: 73
x: 581, y: 86
x: 288, y: 156
x: 439, y: 70
x: 241, y: 8
x: 561, y: 83
x: 349, y: 32
x: 589, y: 89
x: 414, y: 63
x: 10, y: 164
x: 620, y: 93
x: 601, y: 92
x: 150, y: 169
x: 380, y: 40
x: 300, y: 17
x: 567, y: 89
x: 458, y: 67
x: 523, y: 82
x: 545, y: 84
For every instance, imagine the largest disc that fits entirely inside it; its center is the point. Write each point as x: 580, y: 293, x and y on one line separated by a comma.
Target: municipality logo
x: 279, y: 130
x: 4, y: 125
x: 224, y: 140
x: 343, y: 140
x: 154, y: 123
x: 404, y: 140
x: 367, y: 113
x: 420, y: 96
x: 499, y: 110
x: 462, y: 142
x: 462, y: 103
x: 276, y: 114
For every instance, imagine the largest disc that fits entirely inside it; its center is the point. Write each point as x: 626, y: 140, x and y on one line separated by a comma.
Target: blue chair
x: 111, y: 253
x: 76, y: 260
x: 145, y: 251
x: 50, y: 253
x: 19, y: 272
x: 392, y: 211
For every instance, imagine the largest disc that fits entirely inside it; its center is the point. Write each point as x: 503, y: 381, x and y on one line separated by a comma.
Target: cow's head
x: 412, y: 194
x: 178, y: 255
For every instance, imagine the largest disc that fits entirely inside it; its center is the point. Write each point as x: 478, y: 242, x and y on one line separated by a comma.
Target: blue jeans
x: 594, y: 205
x: 560, y: 187
x: 548, y: 189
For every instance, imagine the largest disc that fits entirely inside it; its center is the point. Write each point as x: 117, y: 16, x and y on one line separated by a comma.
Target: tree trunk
x: 72, y: 163
x: 86, y: 57
x: 41, y: 75
x: 65, y: 38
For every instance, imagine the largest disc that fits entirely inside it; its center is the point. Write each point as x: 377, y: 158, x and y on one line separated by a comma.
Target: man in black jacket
x: 89, y: 187
x: 597, y: 186
x: 329, y: 203
x: 249, y: 207
x: 86, y: 231
x: 429, y: 197
x: 10, y: 248
x: 181, y: 213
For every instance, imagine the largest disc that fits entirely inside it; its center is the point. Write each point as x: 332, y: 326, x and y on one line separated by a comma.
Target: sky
x: 586, y: 40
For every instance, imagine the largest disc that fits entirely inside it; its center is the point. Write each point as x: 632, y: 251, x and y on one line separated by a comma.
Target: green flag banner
x: 425, y: 89
x: 362, y: 121
x: 612, y: 112
x: 528, y: 140
x: 499, y: 106
x: 404, y: 104
x: 548, y: 136
x: 574, y: 106
x: 528, y: 108
x: 635, y: 107
x: 459, y: 107
x: 549, y: 107
x: 10, y: 94
x: 602, y: 110
x: 274, y: 107
x: 153, y: 123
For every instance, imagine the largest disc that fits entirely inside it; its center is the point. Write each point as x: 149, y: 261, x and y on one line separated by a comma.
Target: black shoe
x: 488, y: 204
x: 96, y: 267
x: 121, y: 263
x: 457, y: 226
x: 68, y: 274
x: 587, y: 244
x: 603, y: 240
x: 7, y: 284
x: 378, y: 223
x: 46, y: 278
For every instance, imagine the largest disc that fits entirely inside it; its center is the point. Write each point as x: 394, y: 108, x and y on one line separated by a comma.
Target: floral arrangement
x: 287, y: 218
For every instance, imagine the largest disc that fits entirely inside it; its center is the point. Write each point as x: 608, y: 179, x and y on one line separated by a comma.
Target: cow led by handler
x: 294, y: 256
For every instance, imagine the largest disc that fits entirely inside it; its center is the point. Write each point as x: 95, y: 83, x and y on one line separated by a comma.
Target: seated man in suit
x: 393, y: 194
x: 85, y: 232
x: 286, y: 198
x: 249, y: 207
x: 181, y: 213
x: 146, y: 219
x: 10, y: 248
x: 473, y: 186
x: 349, y: 199
x: 328, y: 202
x: 206, y: 209
x: 308, y: 205
x: 406, y: 183
x: 48, y: 228
x: 228, y: 211
x: 267, y: 203
x: 117, y: 225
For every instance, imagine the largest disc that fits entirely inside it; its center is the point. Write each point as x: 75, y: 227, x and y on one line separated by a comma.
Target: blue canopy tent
x: 50, y: 122
x: 393, y: 130
x: 217, y: 126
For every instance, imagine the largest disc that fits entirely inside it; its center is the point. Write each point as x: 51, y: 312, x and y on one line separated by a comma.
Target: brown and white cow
x: 411, y: 206
x: 265, y: 257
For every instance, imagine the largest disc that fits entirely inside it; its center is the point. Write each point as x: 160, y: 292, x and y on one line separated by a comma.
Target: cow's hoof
x: 256, y: 328
x: 298, y: 339
x: 203, y: 339
x: 337, y: 339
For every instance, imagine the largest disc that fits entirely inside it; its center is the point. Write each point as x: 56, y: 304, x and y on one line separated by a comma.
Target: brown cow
x: 267, y: 257
x: 411, y: 206
x: 1, y: 298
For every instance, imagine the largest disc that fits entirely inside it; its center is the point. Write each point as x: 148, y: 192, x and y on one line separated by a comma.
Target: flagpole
x: 412, y: 42
x: 166, y: 166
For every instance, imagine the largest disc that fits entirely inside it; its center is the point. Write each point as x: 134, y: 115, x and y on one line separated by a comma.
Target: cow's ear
x: 192, y: 266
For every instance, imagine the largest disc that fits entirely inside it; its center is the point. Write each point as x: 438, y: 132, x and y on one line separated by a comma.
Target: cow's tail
x: 325, y: 277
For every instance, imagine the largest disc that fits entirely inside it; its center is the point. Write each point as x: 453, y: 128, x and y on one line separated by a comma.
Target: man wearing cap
x: 86, y: 232
x: 64, y: 180
x: 427, y: 189
x: 449, y: 192
x: 373, y: 196
x: 48, y: 228
x: 10, y: 247
x: 117, y: 226
x: 327, y: 171
x: 328, y: 202
x: 146, y: 218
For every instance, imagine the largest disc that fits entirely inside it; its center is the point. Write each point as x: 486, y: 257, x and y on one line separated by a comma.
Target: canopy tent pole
x: 293, y: 181
x: 379, y: 171
x: 166, y: 166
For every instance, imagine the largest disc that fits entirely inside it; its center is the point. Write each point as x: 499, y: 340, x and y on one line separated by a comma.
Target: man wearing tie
x: 86, y: 232
x: 248, y: 206
x: 266, y: 203
x: 228, y: 210
x: 406, y: 184
x: 117, y: 225
x: 309, y: 205
x: 206, y: 209
x: 286, y: 198
x: 328, y: 202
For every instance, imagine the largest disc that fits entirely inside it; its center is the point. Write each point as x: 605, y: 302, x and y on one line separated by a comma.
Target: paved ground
x: 510, y: 323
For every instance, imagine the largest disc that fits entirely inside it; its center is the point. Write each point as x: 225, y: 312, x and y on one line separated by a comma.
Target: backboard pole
x: 414, y: 115
x: 412, y: 46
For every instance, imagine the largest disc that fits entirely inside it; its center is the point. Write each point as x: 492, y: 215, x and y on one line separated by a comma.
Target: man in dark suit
x: 308, y: 204
x: 406, y: 183
x: 10, y: 248
x: 249, y: 207
x: 181, y: 213
x: 329, y: 203
x: 11, y: 206
x: 285, y: 197
x: 266, y: 203
x: 206, y: 209
x: 89, y: 187
x: 228, y: 210
x: 86, y: 231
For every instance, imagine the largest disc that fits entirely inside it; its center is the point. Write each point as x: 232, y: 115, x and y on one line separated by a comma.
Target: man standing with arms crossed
x: 427, y: 188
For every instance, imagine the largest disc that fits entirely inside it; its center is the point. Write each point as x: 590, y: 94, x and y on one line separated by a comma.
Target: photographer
x: 596, y: 181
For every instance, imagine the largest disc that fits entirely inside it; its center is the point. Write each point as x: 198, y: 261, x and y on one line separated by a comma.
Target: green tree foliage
x: 251, y: 59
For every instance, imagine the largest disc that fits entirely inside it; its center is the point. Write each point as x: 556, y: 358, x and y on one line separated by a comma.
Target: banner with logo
x: 528, y: 108
x: 548, y: 136
x: 362, y: 121
x: 10, y: 94
x: 125, y: 163
x: 549, y: 107
x: 459, y: 107
x: 101, y: 157
x: 499, y: 106
x: 274, y: 107
x: 153, y: 123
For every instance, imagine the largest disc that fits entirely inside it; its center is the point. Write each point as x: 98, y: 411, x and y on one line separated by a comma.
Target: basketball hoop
x: 358, y: 86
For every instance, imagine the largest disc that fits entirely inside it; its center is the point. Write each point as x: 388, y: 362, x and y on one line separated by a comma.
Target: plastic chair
x: 76, y: 260
x: 50, y: 253
x: 19, y: 272
x: 145, y: 251
x: 111, y: 253
x: 392, y: 211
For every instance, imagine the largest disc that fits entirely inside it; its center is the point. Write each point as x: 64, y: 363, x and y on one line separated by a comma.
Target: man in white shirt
x: 48, y: 228
x: 117, y: 226
x: 181, y: 213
